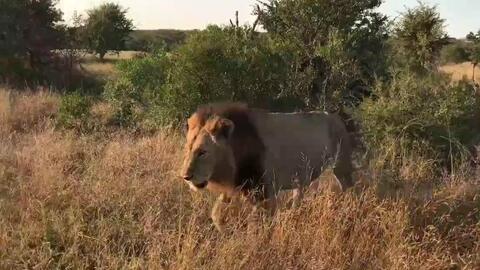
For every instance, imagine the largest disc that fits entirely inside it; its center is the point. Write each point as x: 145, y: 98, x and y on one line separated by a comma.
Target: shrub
x: 227, y: 64
x: 218, y: 64
x: 74, y: 110
x: 147, y: 72
x: 123, y: 98
x: 418, y: 38
x: 139, y: 87
x: 145, y: 40
x: 332, y: 48
x: 426, y: 117
x: 454, y: 53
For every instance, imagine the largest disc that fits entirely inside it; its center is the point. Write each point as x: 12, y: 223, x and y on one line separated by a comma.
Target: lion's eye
x: 201, y: 153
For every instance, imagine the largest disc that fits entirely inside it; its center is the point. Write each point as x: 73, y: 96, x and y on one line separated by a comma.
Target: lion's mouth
x: 201, y: 185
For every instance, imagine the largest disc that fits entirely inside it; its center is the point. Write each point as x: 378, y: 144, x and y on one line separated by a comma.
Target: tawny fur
x: 236, y: 151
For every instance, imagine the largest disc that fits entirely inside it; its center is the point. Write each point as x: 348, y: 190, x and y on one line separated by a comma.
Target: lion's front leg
x: 297, y: 197
x: 218, y: 212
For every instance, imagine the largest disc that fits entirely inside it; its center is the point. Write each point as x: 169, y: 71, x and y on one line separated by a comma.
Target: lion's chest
x: 222, y: 188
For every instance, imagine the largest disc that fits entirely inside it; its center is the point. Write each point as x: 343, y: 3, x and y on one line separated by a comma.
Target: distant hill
x: 141, y: 40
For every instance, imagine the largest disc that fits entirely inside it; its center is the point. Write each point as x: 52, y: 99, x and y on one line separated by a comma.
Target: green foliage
x: 419, y: 37
x: 229, y: 64
x: 475, y: 53
x: 107, y: 28
x: 455, y: 53
x: 421, y: 115
x: 146, y: 40
x: 474, y: 50
x: 140, y: 87
x: 27, y: 27
x: 333, y: 48
x: 28, y: 33
x: 123, y: 97
x: 12, y: 22
x: 475, y: 47
x: 305, y: 16
x: 74, y: 110
x: 278, y: 70
x: 14, y: 70
x: 145, y: 72
x: 218, y: 64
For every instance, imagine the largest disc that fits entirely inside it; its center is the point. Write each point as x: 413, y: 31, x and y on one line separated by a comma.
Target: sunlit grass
x: 460, y: 71
x: 114, y: 201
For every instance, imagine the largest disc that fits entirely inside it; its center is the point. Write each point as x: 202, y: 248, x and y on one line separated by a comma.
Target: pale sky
x: 462, y: 15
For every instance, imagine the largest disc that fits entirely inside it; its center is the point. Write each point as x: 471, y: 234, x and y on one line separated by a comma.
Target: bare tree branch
x: 236, y: 19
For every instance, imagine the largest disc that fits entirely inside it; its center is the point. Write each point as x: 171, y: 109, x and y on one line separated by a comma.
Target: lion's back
x: 299, y: 144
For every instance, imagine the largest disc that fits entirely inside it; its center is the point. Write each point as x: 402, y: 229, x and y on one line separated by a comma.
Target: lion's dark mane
x: 247, y: 145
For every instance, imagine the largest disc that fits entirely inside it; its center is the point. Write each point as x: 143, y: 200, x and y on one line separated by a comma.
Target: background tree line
x: 33, y: 37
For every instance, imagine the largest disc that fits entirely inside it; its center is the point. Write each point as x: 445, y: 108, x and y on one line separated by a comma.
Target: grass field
x: 459, y: 71
x: 112, y: 200
x: 93, y: 67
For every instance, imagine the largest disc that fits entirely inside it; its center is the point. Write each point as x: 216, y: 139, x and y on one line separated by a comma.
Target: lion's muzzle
x: 193, y: 182
x: 187, y: 177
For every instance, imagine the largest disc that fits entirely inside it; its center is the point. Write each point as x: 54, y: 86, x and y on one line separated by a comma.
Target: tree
x: 72, y: 45
x: 28, y: 28
x: 335, y: 49
x: 474, y: 50
x: 107, y: 28
x: 455, y: 53
x: 419, y: 37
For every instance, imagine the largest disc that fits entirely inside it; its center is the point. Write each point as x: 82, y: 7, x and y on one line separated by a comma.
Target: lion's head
x: 223, y: 151
x: 208, y: 155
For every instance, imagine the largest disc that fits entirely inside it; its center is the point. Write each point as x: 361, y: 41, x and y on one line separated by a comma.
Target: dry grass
x: 114, y: 202
x: 25, y: 111
x: 460, y: 71
x: 91, y: 65
x: 104, y: 71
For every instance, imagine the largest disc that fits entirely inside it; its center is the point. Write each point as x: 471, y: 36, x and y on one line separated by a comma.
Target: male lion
x: 234, y: 150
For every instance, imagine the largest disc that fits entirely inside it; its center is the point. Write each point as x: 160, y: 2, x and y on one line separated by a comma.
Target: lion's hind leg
x: 343, y: 167
x: 343, y: 173
x: 297, y: 197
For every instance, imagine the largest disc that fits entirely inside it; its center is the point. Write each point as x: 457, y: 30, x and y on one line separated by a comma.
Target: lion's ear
x: 220, y: 128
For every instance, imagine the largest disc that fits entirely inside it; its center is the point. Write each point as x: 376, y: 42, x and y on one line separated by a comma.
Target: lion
x: 236, y: 151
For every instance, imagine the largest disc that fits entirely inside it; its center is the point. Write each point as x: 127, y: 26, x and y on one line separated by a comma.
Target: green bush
x: 74, y: 110
x: 425, y: 116
x: 218, y: 64
x: 139, y: 88
x: 226, y: 64
x: 454, y: 53
x: 123, y: 97
x: 145, y: 73
x: 333, y: 52
x: 144, y: 40
x: 418, y: 38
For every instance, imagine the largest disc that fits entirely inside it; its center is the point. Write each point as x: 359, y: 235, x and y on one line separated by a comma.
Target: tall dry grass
x: 92, y: 66
x: 115, y: 202
x: 24, y: 111
x: 461, y: 71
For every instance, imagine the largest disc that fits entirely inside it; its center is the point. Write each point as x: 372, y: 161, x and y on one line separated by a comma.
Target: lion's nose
x: 188, y: 177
